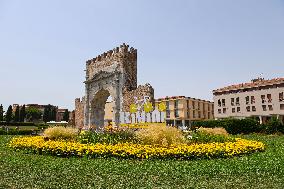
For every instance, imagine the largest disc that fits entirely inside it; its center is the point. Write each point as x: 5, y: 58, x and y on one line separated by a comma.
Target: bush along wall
x: 3, y: 123
x: 18, y: 132
x: 243, y: 126
x: 233, y: 126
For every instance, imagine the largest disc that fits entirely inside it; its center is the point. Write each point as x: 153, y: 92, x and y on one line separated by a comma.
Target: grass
x: 259, y: 170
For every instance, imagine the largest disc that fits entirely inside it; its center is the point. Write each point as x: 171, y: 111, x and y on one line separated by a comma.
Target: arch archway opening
x: 98, y: 108
x: 108, y: 117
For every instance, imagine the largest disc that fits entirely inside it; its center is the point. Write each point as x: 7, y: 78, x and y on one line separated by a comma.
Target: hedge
x: 3, y: 123
x: 233, y: 126
x: 18, y: 132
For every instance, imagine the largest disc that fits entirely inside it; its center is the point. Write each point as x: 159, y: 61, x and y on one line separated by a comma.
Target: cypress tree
x: 46, y: 114
x: 53, y: 113
x: 1, y: 112
x: 22, y: 113
x: 66, y: 115
x: 9, y: 114
x: 17, y: 114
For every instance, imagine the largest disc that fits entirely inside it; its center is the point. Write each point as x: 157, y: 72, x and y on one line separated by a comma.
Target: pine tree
x: 66, y: 115
x: 17, y: 114
x: 9, y: 114
x: 22, y: 113
x: 1, y: 112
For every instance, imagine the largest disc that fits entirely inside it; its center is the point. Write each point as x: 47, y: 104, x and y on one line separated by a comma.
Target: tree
x: 17, y: 114
x: 66, y: 115
x: 33, y: 114
x: 22, y: 113
x: 9, y: 114
x: 46, y: 113
x: 1, y: 112
x: 53, y: 113
x: 274, y: 125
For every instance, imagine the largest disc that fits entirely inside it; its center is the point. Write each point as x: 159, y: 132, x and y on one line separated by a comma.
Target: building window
x: 264, y: 107
x: 269, y: 98
x: 252, y: 99
x: 281, y: 106
x: 232, y: 102
x: 247, y: 99
x: 238, y: 109
x: 193, y: 115
x: 209, y: 115
x: 248, y: 108
x: 223, y: 102
x: 187, y: 104
x: 233, y: 110
x: 224, y: 110
x: 270, y: 107
x: 219, y: 111
x: 280, y: 97
x: 168, y: 105
x: 188, y: 114
x: 168, y: 112
x: 238, y: 101
x: 263, y: 98
x: 193, y: 104
x: 253, y: 108
x: 176, y: 104
x: 199, y: 114
x: 198, y: 105
x: 176, y: 113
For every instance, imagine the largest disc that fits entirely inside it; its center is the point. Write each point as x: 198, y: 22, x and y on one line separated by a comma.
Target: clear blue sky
x: 187, y: 47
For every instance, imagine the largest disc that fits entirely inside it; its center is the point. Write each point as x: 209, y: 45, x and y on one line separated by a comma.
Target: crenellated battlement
x: 122, y: 58
x: 118, y: 52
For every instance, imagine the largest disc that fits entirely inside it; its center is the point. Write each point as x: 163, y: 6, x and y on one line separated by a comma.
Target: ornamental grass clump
x: 206, y: 135
x: 160, y: 135
x: 59, y: 133
x: 214, y: 131
x: 108, y: 137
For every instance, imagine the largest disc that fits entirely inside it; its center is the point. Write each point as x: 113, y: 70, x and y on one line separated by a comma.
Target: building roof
x: 254, y: 83
x: 180, y: 97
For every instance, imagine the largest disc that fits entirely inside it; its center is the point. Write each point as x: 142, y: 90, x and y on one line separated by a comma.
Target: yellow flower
x: 129, y: 150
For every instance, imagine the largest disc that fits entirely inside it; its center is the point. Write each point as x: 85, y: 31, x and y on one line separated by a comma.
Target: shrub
x: 17, y: 123
x: 206, y: 135
x: 232, y: 126
x: 273, y: 126
x: 119, y: 136
x: 60, y: 132
x: 160, y: 135
x: 17, y: 132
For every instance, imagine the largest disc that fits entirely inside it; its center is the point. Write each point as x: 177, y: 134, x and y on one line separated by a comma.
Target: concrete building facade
x: 182, y: 110
x: 259, y: 98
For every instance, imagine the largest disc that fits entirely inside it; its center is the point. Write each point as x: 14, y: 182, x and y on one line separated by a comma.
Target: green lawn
x: 260, y: 170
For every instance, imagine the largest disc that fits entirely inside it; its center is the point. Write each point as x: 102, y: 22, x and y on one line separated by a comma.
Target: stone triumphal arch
x: 113, y: 73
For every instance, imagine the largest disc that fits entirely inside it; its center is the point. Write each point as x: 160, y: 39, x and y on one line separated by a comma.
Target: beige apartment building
x: 182, y: 110
x: 259, y: 98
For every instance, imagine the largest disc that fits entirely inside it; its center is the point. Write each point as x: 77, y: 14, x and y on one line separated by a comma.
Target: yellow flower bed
x: 37, y: 144
x: 141, y: 125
